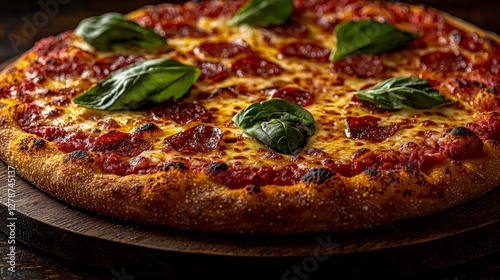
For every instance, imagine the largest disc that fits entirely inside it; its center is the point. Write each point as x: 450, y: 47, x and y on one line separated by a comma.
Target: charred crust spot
x: 215, y: 167
x: 174, y: 165
x: 448, y: 171
x: 146, y: 128
x: 493, y: 143
x: 372, y: 172
x: 461, y: 131
x: 253, y: 189
x: 317, y: 175
x: 495, y: 90
x: 457, y: 38
x: 39, y: 143
x: 78, y: 156
x: 32, y: 144
x: 458, y: 164
x: 360, y: 152
x: 409, y: 169
x: 407, y: 193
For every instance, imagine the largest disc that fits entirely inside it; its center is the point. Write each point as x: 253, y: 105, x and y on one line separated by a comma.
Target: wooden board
x: 453, y: 237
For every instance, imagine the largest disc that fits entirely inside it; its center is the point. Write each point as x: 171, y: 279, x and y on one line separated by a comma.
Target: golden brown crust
x: 183, y: 199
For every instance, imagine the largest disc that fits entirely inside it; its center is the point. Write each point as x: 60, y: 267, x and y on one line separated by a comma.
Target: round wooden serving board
x: 456, y: 236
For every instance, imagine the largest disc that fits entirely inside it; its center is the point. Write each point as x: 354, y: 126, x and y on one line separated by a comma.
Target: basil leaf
x: 263, y: 13
x: 114, y: 32
x: 141, y: 84
x: 403, y: 93
x: 283, y: 126
x: 368, y: 36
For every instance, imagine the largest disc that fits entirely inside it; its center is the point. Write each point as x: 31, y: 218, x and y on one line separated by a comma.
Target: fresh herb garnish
x: 279, y: 124
x: 403, y: 93
x: 114, y: 32
x: 368, y: 36
x: 141, y: 84
x: 263, y: 13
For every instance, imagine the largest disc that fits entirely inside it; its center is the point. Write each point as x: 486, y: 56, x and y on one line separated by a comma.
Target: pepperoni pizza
x: 270, y: 116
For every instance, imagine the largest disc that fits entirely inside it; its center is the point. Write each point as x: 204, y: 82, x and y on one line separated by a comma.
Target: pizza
x: 259, y: 116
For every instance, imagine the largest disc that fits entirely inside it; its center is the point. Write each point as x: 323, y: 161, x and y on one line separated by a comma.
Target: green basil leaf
x: 114, y: 32
x: 263, y: 13
x: 141, y: 84
x: 403, y: 93
x: 368, y: 36
x: 283, y: 126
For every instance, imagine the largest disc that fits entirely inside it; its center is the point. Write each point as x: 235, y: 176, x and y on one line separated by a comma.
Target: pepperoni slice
x: 199, y: 139
x: 294, y: 95
x: 486, y: 127
x: 112, y: 163
x: 460, y: 142
x: 309, y: 51
x: 212, y: 70
x: 487, y: 72
x: 49, y: 133
x: 255, y: 66
x: 464, y: 89
x: 470, y: 41
x: 58, y: 64
x: 443, y: 61
x: 81, y: 64
x: 212, y: 9
x: 493, y: 66
x: 368, y: 128
x: 223, y: 49
x: 31, y: 113
x: 321, y: 7
x: 363, y: 66
x: 53, y: 44
x: 238, y: 177
x: 290, y: 29
x: 180, y: 30
x: 108, y: 65
x: 367, y: 161
x: 121, y: 143
x: 420, y: 157
x: 65, y: 141
x: 21, y: 90
x: 74, y: 141
x: 181, y: 113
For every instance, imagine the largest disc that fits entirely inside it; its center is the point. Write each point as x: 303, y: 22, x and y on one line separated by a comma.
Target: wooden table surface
x: 34, y: 264
x: 16, y: 37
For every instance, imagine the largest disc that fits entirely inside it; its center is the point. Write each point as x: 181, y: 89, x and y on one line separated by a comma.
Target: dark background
x: 23, y: 22
x: 16, y: 36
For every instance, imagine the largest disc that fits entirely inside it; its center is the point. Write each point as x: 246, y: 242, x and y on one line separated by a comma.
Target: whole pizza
x: 259, y: 116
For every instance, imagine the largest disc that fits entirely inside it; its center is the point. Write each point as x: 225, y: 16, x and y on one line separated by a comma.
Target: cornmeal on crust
x: 129, y: 165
